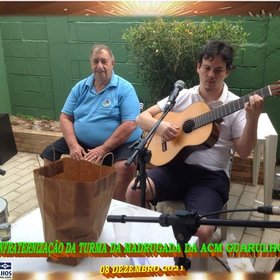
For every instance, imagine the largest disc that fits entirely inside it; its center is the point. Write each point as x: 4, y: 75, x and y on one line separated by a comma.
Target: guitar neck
x: 227, y: 109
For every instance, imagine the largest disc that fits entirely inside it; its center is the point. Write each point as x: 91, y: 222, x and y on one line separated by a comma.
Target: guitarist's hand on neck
x: 246, y: 143
x: 254, y: 107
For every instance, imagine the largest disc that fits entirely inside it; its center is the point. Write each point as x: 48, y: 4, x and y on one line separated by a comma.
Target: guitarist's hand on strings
x: 167, y: 131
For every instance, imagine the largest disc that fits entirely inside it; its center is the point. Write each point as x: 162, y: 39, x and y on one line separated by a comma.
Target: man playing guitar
x: 200, y: 178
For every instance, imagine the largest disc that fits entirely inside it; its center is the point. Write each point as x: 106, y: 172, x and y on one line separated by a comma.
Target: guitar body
x: 203, y: 137
x: 198, y: 128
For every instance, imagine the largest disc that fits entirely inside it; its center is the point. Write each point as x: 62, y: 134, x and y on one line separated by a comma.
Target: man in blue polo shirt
x: 98, y: 117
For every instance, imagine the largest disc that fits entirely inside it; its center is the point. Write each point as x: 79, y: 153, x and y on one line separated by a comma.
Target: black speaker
x: 8, y: 146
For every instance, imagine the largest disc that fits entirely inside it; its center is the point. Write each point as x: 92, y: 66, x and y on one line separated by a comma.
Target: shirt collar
x: 222, y: 99
x: 112, y: 83
x: 114, y: 80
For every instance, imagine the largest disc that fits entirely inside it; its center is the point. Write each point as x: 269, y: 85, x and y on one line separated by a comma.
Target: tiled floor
x: 17, y: 187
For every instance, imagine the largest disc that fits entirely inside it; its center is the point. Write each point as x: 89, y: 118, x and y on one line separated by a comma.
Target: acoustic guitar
x: 198, y: 127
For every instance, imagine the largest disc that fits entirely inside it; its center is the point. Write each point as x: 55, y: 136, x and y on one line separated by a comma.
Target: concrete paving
x: 18, y: 188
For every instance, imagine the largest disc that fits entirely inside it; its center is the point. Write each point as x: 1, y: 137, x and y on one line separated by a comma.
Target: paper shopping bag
x: 74, y: 198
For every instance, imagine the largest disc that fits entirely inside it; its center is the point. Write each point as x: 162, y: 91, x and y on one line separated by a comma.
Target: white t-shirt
x: 217, y: 157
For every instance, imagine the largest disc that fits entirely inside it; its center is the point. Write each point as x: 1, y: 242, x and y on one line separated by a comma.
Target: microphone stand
x: 185, y: 224
x: 144, y: 155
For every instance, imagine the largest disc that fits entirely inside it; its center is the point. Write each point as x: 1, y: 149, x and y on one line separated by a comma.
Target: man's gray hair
x: 99, y: 47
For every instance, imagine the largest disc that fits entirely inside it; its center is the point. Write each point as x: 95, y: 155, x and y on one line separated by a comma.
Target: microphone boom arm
x: 185, y: 224
x: 191, y: 218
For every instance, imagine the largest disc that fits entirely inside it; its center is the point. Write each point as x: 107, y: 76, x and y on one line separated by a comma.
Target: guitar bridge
x: 163, y: 146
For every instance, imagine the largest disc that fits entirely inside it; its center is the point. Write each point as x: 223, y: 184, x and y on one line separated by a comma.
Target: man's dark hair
x: 214, y: 48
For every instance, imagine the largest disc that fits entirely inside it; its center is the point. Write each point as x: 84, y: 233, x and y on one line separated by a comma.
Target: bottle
x: 5, y: 231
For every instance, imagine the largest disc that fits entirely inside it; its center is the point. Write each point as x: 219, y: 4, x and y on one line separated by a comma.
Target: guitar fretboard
x: 222, y: 111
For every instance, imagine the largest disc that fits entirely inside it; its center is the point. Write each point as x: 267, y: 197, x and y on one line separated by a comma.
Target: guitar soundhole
x: 188, y: 126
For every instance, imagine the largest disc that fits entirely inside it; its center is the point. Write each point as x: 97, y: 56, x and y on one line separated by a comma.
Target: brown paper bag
x: 74, y: 198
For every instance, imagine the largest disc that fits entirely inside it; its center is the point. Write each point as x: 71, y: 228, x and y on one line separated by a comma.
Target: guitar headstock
x: 275, y: 88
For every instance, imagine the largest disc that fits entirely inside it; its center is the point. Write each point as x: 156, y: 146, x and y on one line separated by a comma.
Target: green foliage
x: 166, y: 51
x: 30, y: 118
x: 26, y: 117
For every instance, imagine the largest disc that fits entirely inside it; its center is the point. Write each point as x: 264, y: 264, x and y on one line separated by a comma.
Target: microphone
x: 272, y: 210
x: 179, y: 85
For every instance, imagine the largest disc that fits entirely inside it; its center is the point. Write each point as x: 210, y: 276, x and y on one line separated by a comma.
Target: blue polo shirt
x: 97, y: 116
